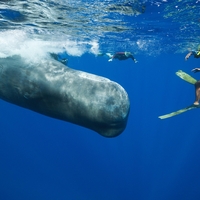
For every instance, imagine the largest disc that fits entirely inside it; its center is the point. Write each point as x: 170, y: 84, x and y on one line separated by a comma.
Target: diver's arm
x: 189, y: 54
x: 132, y: 57
x: 196, y: 70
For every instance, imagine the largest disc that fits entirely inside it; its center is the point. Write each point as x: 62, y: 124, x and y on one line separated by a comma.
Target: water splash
x: 18, y: 42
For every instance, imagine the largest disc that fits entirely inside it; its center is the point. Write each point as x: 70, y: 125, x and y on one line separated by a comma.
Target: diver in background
x: 196, y: 54
x: 123, y: 56
x: 59, y: 58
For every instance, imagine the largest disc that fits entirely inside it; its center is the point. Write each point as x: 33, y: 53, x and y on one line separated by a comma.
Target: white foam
x: 28, y: 46
x: 94, y: 47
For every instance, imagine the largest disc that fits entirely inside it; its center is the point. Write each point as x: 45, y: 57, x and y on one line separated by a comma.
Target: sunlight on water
x: 147, y: 46
x: 76, y: 27
x: 33, y: 28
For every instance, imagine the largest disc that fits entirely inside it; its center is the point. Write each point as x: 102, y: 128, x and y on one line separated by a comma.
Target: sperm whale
x: 55, y: 90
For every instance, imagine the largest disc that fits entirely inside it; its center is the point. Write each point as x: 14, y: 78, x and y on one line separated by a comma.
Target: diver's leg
x: 197, y: 93
x: 109, y: 55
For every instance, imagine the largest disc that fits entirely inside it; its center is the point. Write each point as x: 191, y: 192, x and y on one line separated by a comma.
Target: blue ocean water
x: 153, y: 159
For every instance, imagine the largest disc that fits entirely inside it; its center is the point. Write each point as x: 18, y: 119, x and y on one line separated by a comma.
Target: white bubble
x: 94, y: 47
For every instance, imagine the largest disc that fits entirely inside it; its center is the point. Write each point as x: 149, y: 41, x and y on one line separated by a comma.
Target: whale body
x: 55, y: 90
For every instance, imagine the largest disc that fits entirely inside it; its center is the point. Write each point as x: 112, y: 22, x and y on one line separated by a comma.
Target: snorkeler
x: 123, y: 56
x: 197, y: 88
x: 196, y: 54
x: 196, y: 84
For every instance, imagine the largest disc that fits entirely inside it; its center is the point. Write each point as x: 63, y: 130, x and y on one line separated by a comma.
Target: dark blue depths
x: 43, y: 158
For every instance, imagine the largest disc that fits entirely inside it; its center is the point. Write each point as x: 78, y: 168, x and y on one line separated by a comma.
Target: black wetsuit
x: 196, y: 54
x: 122, y: 56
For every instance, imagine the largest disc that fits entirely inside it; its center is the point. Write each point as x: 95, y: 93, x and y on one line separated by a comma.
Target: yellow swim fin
x: 186, y: 77
x: 178, y: 112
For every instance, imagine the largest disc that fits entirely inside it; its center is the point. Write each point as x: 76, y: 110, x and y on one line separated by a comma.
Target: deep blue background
x: 47, y: 159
